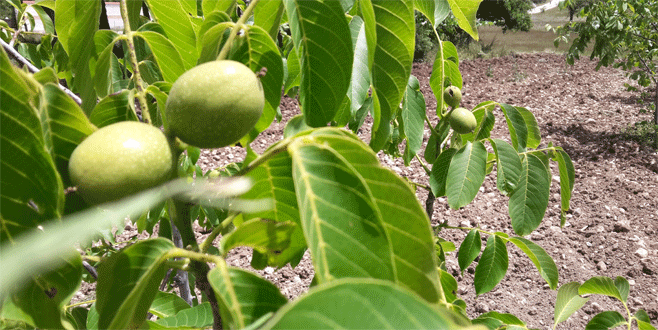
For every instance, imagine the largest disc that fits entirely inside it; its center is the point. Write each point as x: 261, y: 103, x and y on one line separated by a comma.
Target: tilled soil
x: 612, y: 229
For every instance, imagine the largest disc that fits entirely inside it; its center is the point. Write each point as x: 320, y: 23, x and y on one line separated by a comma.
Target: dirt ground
x: 612, y: 229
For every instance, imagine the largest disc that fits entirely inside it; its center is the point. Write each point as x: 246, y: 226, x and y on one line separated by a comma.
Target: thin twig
x: 17, y: 56
x: 92, y: 271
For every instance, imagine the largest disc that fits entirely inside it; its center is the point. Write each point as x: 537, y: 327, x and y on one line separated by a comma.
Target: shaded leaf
x: 128, y: 282
x: 534, y: 136
x: 567, y: 178
x: 469, y: 249
x: 391, y: 66
x: 492, y: 265
x: 508, y: 167
x: 466, y: 174
x: 360, y: 81
x: 263, y: 235
x: 27, y: 199
x: 517, y: 127
x: 485, y: 119
x: 439, y: 173
x: 527, y: 204
x: 113, y: 109
x: 244, y: 297
x: 321, y: 36
x: 413, y: 117
x: 544, y: 263
x: 258, y: 51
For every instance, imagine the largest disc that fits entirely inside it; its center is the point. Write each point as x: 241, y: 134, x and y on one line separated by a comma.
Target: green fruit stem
x: 234, y: 32
x: 139, y: 82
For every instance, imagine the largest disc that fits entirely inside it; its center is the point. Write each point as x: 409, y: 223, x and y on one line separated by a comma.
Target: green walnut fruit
x: 452, y: 96
x: 214, y: 104
x: 462, y: 121
x: 119, y: 160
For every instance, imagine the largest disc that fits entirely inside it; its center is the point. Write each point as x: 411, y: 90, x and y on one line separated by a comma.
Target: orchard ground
x: 612, y: 229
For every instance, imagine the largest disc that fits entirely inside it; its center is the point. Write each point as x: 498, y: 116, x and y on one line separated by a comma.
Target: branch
x: 17, y: 56
x: 92, y: 271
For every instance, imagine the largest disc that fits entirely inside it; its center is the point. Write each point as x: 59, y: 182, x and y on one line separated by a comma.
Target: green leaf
x: 439, y: 173
x: 517, y: 127
x: 469, y: 249
x: 568, y: 301
x: 268, y: 15
x: 378, y: 304
x: 180, y: 32
x: 113, y: 109
x: 199, y: 316
x: 264, y: 235
x: 92, y: 318
x: 567, y: 178
x: 413, y: 117
x: 492, y: 265
x: 212, y: 40
x: 166, y: 55
x: 606, y: 286
x: 505, y: 318
x: 643, y: 320
x: 433, y: 149
x: 294, y: 126
x: 412, y: 240
x: 166, y: 304
x: 244, y: 297
x: 534, y: 136
x: 544, y: 263
x: 466, y: 174
x: 27, y: 199
x: 104, y: 40
x: 393, y: 58
x: 445, y: 72
x: 294, y: 72
x: 360, y: 82
x: 426, y: 7
x: 48, y: 25
x: 449, y: 284
x: 128, y: 282
x: 322, y: 39
x: 338, y: 215
x: 257, y: 50
x: 508, y: 168
x: 273, y: 180
x: 465, y: 11
x: 44, y: 297
x: 227, y: 6
x: 76, y: 24
x: 527, y: 204
x: 64, y: 126
x: 134, y: 9
x: 606, y: 320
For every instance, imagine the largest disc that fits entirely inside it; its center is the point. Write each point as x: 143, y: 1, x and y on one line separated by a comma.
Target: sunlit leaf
x: 413, y: 117
x: 379, y: 305
x: 169, y: 59
x: 177, y: 24
x: 508, y: 166
x: 465, y: 11
x: 606, y: 320
x: 166, y: 304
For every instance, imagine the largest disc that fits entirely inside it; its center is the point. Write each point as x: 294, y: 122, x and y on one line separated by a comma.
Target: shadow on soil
x: 592, y: 145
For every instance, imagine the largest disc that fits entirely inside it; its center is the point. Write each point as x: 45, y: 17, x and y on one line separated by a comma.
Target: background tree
x: 625, y: 35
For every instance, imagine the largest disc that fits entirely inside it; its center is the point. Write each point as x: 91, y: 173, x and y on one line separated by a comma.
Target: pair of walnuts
x: 210, y: 106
